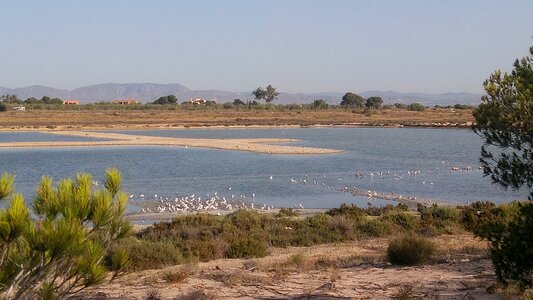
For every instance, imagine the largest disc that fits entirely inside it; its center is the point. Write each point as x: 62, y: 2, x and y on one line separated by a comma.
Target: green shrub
x: 409, y: 249
x: 286, y: 212
x: 441, y: 213
x: 374, y: 228
x: 381, y: 210
x: 144, y: 254
x: 438, y: 220
x: 483, y: 218
x: 350, y: 211
x: 203, y: 249
x: 246, y: 248
x: 512, y: 248
x: 402, y: 219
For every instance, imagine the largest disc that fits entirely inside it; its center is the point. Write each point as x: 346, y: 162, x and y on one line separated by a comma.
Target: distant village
x: 197, y: 101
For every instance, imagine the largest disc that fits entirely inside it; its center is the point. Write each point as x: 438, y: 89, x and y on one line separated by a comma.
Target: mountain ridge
x: 147, y: 92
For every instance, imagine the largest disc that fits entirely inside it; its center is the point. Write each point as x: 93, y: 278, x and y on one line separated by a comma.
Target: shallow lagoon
x: 171, y: 171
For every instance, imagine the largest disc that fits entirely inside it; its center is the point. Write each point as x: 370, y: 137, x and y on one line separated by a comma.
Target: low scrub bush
x: 438, y: 220
x: 204, y: 249
x: 350, y: 211
x: 512, y: 248
x: 246, y: 248
x: 286, y: 212
x: 402, y: 219
x: 409, y: 249
x: 144, y: 254
x: 483, y: 218
x: 374, y: 228
x: 372, y: 210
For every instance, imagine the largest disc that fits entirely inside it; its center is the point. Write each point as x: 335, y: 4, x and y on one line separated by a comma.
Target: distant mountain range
x: 146, y: 92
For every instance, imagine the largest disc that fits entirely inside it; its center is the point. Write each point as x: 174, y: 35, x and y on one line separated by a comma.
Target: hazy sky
x: 297, y: 46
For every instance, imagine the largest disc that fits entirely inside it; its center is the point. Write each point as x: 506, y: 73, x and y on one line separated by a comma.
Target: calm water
x: 168, y: 171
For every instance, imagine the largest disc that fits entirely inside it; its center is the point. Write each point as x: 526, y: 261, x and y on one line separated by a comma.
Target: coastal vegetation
x: 249, y: 234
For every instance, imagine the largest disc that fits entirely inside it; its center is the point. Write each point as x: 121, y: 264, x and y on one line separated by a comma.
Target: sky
x: 237, y: 45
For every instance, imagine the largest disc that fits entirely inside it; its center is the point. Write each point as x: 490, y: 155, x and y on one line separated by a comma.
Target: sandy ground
x: 263, y: 145
x: 463, y: 272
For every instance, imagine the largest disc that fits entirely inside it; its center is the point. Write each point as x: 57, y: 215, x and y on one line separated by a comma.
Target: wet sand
x: 263, y: 145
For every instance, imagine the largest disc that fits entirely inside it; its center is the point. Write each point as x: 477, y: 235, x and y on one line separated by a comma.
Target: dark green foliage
x: 269, y: 94
x: 351, y: 100
x: 483, y: 218
x: 374, y: 102
x: 505, y: 120
x: 375, y: 228
x: 237, y: 102
x: 372, y: 210
x: 511, y: 249
x: 508, y: 228
x: 416, y: 107
x: 401, y: 106
x: 3, y: 107
x: 409, y: 249
x: 170, y: 99
x: 351, y: 211
x: 13, y: 99
x: 319, y: 104
x: 463, y: 106
x: 246, y: 248
x: 286, y: 212
x: 144, y: 254
x: 438, y: 216
x: 402, y: 219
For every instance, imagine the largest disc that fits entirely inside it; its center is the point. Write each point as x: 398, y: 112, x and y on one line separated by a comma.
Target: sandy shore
x: 263, y: 145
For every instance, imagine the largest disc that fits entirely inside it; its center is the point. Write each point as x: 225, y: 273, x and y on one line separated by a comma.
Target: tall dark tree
x: 237, y: 102
x: 10, y: 99
x: 352, y: 100
x: 259, y: 93
x: 374, y: 102
x: 270, y: 94
x: 170, y: 99
x: 505, y: 120
x: 319, y: 104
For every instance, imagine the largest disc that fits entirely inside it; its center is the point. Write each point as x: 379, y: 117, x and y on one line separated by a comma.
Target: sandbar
x: 259, y: 145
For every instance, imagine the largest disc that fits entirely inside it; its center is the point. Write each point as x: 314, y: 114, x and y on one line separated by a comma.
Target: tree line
x: 268, y: 94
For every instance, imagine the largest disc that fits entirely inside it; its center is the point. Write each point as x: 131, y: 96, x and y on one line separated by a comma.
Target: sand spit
x: 263, y: 145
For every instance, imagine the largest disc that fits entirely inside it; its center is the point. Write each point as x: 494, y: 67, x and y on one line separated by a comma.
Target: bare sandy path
x: 263, y: 145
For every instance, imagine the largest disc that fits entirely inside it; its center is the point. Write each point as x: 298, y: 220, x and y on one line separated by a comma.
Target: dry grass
x: 175, y: 276
x: 34, y: 120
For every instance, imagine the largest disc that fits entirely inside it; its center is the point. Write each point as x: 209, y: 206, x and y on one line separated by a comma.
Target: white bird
x: 270, y: 178
x: 293, y: 181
